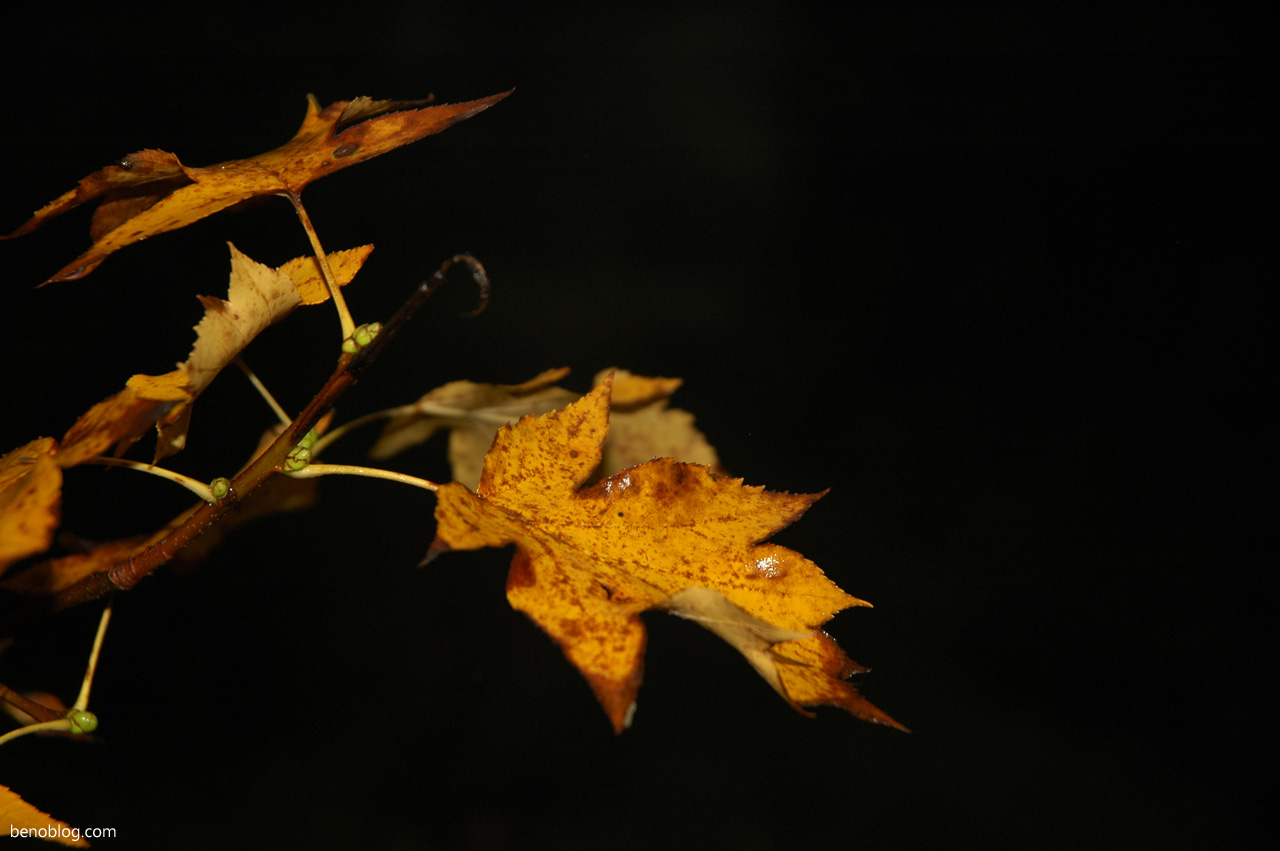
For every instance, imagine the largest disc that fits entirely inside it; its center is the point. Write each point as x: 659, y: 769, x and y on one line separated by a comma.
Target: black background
x: 994, y: 277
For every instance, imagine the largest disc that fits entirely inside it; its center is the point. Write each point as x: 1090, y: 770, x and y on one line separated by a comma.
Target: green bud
x: 361, y: 337
x: 220, y: 486
x: 298, y: 458
x: 82, y: 721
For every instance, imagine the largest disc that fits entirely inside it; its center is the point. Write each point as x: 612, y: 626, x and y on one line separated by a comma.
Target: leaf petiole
x: 335, y: 292
x: 82, y: 701
x: 200, y: 489
x: 313, y: 470
x: 342, y: 430
x: 263, y: 391
x: 78, y: 719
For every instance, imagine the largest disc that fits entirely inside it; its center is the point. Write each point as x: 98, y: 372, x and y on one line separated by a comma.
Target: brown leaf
x: 589, y: 560
x: 151, y: 192
x: 30, y: 500
x: 27, y: 821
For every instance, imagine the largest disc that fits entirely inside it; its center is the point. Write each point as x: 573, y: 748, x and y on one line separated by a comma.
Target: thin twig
x: 36, y: 710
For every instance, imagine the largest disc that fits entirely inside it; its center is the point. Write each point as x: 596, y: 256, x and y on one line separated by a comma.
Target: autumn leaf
x: 30, y: 497
x: 151, y: 192
x: 120, y: 420
x: 642, y: 427
x: 24, y: 817
x: 664, y: 534
x: 257, y: 297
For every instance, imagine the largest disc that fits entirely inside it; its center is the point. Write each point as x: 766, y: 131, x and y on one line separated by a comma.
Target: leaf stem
x: 262, y: 390
x: 313, y: 470
x: 336, y: 433
x: 130, y: 571
x: 61, y: 725
x: 335, y: 292
x: 82, y: 702
x: 200, y: 489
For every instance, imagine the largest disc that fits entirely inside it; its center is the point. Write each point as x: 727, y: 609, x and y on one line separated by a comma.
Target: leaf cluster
x: 616, y: 503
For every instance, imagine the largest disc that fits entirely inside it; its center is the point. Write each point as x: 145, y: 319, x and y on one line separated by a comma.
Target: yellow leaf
x: 123, y: 418
x: 589, y: 560
x: 151, y: 192
x: 257, y: 297
x: 30, y: 498
x: 305, y: 272
x: 26, y: 821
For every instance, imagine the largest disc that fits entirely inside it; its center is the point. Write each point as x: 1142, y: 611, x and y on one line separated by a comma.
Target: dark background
x: 993, y: 277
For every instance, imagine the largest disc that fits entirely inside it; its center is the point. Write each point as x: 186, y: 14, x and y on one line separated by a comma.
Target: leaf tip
x: 434, y: 551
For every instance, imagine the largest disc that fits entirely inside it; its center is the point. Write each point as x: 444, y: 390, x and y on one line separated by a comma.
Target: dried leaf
x: 257, y: 296
x: 26, y: 821
x: 589, y: 560
x: 306, y: 275
x: 642, y: 426
x: 121, y: 419
x: 473, y: 412
x: 30, y: 500
x: 151, y: 192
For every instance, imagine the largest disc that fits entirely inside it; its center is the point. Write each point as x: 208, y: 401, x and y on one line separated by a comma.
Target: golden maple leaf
x: 151, y: 192
x: 665, y: 535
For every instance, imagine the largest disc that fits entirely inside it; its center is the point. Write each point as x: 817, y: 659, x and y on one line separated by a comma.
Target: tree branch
x: 127, y: 573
